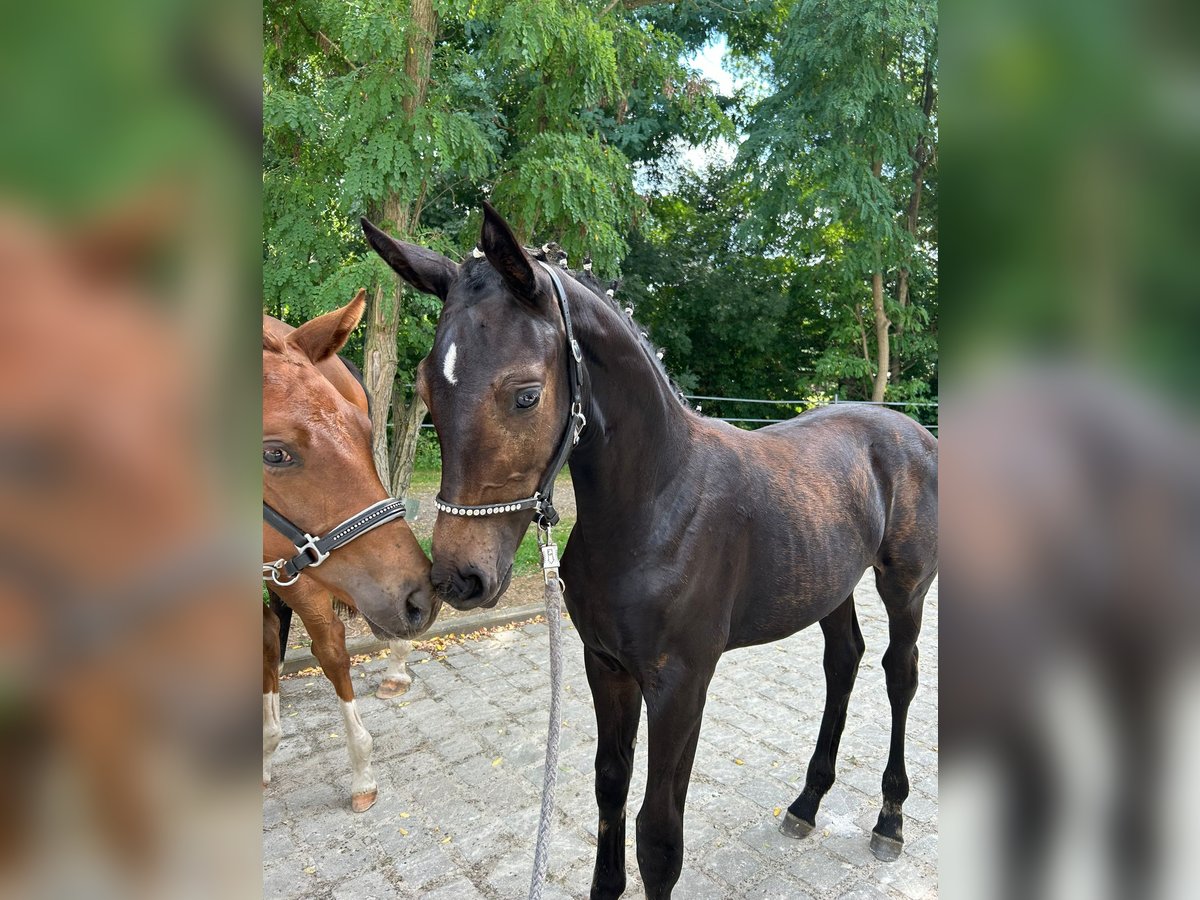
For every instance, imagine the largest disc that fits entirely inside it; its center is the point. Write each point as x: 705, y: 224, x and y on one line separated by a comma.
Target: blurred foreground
x: 1070, y: 711
x: 129, y: 726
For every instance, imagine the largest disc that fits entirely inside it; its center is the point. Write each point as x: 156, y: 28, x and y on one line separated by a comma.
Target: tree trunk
x: 406, y: 426
x: 882, y: 341
x: 379, y: 350
x: 881, y: 338
x: 921, y: 156
x: 383, y: 316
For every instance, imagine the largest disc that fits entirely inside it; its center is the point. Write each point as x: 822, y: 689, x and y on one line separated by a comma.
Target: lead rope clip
x: 549, y: 550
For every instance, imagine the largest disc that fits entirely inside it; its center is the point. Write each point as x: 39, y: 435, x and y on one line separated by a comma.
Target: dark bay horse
x: 692, y: 538
x: 318, y: 472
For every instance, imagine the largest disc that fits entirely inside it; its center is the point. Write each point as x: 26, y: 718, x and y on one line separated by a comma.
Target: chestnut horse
x: 693, y: 537
x: 318, y: 472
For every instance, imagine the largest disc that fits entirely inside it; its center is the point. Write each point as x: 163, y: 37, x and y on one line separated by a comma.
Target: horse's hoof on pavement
x: 885, y: 848
x: 794, y: 827
x: 364, y: 801
x: 392, y: 687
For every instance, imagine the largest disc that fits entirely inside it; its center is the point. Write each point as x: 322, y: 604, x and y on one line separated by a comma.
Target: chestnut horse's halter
x: 315, y: 550
x: 542, y: 501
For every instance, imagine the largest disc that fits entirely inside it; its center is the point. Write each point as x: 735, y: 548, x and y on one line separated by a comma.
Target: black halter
x: 315, y: 550
x: 542, y: 501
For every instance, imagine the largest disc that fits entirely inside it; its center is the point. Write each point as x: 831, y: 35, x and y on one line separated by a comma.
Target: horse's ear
x: 507, y: 256
x: 427, y: 271
x: 324, y: 336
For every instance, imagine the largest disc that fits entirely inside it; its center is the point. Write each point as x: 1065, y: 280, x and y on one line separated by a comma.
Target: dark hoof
x: 885, y: 848
x: 795, y: 827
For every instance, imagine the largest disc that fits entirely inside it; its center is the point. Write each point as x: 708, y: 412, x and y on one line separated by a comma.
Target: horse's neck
x: 639, y: 438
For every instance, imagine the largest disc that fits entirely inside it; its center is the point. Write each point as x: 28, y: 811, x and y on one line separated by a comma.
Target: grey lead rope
x: 554, y: 586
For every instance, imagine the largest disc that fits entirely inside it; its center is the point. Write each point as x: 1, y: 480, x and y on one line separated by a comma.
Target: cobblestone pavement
x: 459, y: 764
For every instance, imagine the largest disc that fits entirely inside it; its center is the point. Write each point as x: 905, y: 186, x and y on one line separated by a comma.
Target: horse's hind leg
x: 905, y: 600
x: 843, y: 651
x: 397, y: 678
x: 272, y: 729
x: 329, y: 647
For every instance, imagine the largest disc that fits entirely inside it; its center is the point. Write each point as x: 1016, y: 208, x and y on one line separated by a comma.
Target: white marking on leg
x: 272, y: 732
x: 448, y: 364
x: 358, y: 741
x: 397, y: 671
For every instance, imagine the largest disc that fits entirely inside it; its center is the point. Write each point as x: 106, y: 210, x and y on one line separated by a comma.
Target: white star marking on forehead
x: 448, y: 364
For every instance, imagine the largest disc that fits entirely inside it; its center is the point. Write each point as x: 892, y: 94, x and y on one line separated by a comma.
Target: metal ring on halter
x: 271, y: 573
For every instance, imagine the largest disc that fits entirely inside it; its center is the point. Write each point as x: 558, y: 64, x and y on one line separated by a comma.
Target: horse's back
x: 902, y: 457
x: 873, y: 466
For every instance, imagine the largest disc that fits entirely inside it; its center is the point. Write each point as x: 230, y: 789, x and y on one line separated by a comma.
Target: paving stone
x: 424, y: 868
x: 368, y: 884
x: 776, y: 887
x: 459, y: 889
x: 734, y: 865
x: 821, y: 871
x: 459, y: 762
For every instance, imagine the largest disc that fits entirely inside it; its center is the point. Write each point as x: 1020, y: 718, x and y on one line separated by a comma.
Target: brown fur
x: 314, y: 407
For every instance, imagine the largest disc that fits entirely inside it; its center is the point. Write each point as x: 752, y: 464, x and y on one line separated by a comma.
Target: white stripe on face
x: 448, y: 364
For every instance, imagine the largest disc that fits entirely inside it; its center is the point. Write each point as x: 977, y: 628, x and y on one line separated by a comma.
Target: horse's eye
x: 528, y: 397
x: 276, y: 456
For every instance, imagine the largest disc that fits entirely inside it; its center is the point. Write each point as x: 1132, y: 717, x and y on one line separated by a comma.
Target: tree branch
x: 325, y: 42
x: 634, y: 4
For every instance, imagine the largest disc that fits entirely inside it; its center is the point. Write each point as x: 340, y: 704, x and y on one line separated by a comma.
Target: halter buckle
x: 580, y: 421
x: 310, y: 547
x: 576, y: 350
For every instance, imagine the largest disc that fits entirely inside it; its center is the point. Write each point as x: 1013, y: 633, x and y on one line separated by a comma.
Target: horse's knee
x: 612, y: 783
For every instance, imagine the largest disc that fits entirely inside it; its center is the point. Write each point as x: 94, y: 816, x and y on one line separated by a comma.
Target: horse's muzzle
x: 468, y: 587
x: 406, y: 619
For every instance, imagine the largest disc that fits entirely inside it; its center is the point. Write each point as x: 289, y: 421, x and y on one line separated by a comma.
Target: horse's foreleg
x: 674, y: 710
x: 904, y: 607
x: 272, y: 729
x: 618, y: 702
x: 843, y: 651
x: 397, y: 678
x: 329, y: 646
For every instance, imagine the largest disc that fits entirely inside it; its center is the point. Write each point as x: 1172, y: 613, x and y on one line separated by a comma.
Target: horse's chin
x: 504, y: 583
x: 381, y: 633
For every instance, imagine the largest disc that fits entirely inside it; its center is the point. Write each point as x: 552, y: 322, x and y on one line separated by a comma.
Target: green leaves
x: 571, y: 178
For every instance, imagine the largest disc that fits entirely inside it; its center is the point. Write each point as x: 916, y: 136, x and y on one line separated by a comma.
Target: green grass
x: 425, y: 479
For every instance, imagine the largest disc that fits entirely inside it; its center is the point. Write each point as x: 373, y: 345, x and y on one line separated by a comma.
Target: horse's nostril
x: 460, y: 587
x: 416, y: 605
x: 472, y: 587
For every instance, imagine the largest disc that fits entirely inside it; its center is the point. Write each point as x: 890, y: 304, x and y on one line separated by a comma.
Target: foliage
x: 836, y: 148
x: 732, y: 319
x: 429, y: 452
x: 544, y: 100
x: 754, y: 278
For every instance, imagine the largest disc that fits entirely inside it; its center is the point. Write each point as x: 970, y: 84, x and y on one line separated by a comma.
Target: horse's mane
x: 271, y: 344
x: 554, y: 255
